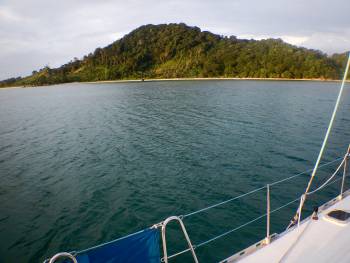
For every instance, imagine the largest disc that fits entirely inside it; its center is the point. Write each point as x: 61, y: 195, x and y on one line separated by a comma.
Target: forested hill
x: 180, y: 51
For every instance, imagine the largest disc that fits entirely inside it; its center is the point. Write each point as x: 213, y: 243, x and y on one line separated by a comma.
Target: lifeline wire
x: 256, y: 190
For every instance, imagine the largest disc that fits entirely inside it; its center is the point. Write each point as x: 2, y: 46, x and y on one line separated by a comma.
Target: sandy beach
x: 178, y: 79
x: 218, y: 78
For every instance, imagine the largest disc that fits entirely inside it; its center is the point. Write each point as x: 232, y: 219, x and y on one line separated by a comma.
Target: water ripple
x: 82, y: 164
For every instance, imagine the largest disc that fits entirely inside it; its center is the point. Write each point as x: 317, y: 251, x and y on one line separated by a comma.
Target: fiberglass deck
x: 318, y: 240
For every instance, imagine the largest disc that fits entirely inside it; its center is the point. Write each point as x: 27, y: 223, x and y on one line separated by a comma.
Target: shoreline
x: 175, y: 79
x: 204, y: 79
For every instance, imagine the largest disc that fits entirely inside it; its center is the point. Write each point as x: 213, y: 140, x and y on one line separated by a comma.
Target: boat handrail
x: 62, y: 255
x: 181, y: 217
x: 190, y: 246
x: 243, y: 225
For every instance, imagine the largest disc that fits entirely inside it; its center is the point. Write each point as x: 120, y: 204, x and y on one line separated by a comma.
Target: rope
x: 297, y: 216
x: 327, y: 134
x: 330, y: 178
x: 287, y: 253
x: 256, y: 190
x: 302, y: 233
x: 336, y: 180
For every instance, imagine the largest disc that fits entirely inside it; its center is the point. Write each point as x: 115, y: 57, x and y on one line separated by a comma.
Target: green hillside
x: 180, y: 51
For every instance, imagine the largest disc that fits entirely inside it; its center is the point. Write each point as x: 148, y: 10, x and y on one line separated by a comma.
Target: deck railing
x: 269, y: 212
x: 192, y: 247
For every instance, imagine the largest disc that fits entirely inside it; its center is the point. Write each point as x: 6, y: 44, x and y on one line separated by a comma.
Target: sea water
x: 82, y: 164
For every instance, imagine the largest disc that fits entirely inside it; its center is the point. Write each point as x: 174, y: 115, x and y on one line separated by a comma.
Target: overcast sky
x: 35, y: 33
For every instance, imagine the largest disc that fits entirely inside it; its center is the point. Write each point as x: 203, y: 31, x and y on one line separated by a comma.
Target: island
x: 178, y: 51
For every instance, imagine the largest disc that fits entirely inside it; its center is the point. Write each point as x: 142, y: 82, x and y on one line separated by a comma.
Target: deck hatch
x: 338, y: 216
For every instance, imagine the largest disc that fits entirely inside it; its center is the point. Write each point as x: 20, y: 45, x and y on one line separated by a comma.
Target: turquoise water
x: 82, y: 164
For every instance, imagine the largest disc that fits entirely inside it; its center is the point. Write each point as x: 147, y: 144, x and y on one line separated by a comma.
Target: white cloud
x: 329, y: 42
x: 295, y: 40
x: 7, y: 15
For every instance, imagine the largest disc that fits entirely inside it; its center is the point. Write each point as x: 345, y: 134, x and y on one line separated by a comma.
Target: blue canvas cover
x: 142, y: 246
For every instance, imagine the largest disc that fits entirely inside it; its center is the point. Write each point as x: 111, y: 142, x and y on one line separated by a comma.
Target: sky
x: 36, y: 33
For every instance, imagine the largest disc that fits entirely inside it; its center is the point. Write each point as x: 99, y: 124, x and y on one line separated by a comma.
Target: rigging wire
x: 296, y: 216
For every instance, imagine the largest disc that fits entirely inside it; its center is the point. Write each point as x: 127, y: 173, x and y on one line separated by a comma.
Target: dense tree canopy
x: 178, y: 51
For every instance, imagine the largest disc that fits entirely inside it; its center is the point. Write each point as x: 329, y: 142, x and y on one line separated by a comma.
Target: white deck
x: 319, y: 241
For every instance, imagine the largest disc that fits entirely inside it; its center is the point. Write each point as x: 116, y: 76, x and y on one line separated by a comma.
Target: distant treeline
x: 180, y: 51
